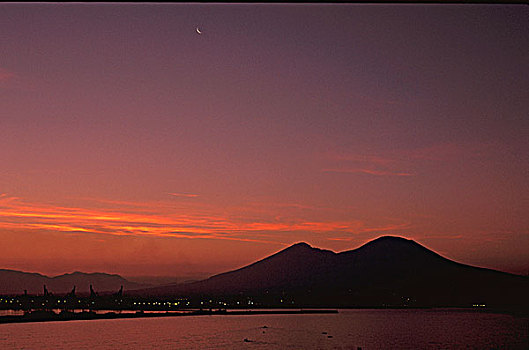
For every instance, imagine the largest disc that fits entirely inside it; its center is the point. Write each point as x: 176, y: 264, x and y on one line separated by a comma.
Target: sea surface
x: 349, y: 329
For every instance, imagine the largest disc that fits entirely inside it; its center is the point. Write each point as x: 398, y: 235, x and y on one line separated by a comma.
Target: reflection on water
x: 58, y: 311
x: 349, y: 329
x: 11, y: 312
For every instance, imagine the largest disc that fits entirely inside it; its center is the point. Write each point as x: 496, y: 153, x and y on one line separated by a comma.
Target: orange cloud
x: 377, y: 165
x: 205, y: 223
x: 363, y: 158
x: 389, y: 163
x: 187, y: 195
x: 367, y: 171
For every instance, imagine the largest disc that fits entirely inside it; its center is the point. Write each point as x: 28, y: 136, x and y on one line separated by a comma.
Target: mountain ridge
x: 15, y: 282
x: 389, y: 270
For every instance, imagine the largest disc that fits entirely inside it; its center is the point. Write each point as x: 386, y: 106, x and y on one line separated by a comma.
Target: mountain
x: 15, y: 282
x: 386, y: 271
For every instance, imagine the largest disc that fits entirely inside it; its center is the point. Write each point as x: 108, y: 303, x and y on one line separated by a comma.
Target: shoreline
x: 78, y: 316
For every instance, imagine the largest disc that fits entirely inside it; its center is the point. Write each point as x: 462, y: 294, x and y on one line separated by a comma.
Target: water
x: 349, y: 329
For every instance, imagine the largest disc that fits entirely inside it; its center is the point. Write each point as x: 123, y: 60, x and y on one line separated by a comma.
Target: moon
x: 198, y: 30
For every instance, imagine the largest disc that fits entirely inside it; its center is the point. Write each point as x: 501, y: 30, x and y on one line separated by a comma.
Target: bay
x: 349, y: 329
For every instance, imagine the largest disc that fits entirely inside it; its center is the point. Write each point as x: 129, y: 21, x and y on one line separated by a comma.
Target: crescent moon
x: 198, y: 31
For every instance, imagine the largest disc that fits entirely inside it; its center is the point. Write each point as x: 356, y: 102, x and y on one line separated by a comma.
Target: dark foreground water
x: 349, y: 329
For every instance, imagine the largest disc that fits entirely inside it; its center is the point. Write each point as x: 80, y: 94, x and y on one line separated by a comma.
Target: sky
x: 132, y: 144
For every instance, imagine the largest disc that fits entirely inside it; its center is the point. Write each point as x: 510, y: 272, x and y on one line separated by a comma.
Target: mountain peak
x: 302, y: 248
x: 391, y: 238
x: 390, y: 242
x: 301, y: 245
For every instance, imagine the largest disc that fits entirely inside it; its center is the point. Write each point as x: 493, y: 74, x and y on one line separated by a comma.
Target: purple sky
x: 130, y: 143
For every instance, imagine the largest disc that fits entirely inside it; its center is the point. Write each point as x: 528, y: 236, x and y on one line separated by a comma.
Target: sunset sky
x: 132, y: 144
